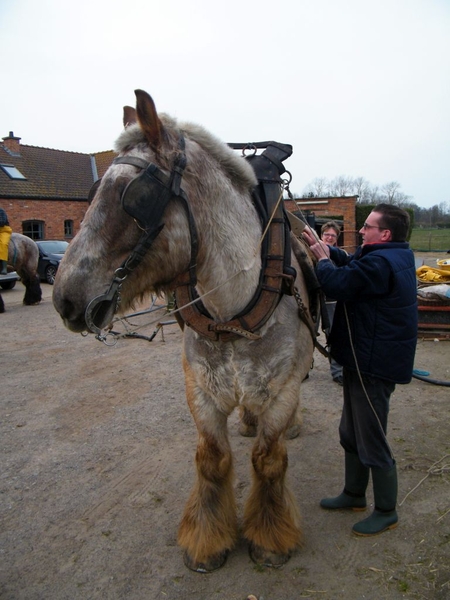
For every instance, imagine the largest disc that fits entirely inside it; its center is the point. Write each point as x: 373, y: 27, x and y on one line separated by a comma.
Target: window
x: 33, y: 229
x: 12, y: 172
x: 68, y: 228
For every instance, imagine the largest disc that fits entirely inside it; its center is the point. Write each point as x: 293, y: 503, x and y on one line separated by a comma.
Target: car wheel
x: 7, y: 285
x: 50, y: 274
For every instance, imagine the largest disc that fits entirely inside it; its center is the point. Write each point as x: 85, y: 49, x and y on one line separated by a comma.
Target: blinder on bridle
x: 145, y: 199
x: 151, y: 183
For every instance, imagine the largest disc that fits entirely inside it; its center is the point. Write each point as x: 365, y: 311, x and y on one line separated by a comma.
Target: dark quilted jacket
x: 378, y: 287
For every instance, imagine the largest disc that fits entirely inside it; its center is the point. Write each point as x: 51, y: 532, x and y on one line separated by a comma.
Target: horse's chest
x: 233, y: 375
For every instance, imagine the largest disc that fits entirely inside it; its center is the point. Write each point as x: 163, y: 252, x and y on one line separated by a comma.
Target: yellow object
x: 427, y: 274
x: 444, y: 263
x: 5, y: 234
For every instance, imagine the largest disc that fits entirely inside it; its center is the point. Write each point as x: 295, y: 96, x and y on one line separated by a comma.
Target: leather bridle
x: 156, y: 184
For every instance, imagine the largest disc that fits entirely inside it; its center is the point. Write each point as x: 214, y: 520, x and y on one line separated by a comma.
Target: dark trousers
x: 363, y: 424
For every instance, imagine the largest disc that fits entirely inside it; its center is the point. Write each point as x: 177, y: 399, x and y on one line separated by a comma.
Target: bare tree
x: 373, y: 195
x: 341, y: 186
x: 390, y: 191
x: 444, y: 208
x: 366, y: 192
x: 361, y: 187
x: 317, y: 188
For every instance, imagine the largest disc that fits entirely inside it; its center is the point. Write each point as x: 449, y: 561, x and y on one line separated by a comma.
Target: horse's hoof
x: 292, y: 432
x: 266, y: 558
x: 215, y: 562
x: 247, y: 430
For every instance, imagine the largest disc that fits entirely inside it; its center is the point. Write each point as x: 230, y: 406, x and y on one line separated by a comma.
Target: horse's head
x: 136, y: 230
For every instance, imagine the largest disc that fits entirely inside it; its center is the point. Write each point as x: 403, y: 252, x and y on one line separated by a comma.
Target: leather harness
x: 277, y: 276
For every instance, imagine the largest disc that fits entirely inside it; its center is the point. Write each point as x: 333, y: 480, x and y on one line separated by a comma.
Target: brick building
x: 44, y: 191
x: 342, y: 208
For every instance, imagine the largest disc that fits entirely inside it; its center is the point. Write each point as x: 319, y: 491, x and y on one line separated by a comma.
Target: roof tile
x: 52, y: 174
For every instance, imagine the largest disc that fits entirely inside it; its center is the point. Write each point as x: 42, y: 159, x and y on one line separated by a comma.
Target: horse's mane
x: 233, y: 164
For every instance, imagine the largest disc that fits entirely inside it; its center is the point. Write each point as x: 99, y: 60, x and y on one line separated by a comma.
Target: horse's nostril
x: 69, y: 310
x: 65, y: 307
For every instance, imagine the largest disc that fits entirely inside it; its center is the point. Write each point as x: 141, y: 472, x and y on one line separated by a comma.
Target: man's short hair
x: 395, y: 219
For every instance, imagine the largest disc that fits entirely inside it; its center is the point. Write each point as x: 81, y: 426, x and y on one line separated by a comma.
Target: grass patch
x: 430, y: 240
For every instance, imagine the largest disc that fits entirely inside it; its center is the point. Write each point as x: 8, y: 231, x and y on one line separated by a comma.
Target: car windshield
x: 53, y: 247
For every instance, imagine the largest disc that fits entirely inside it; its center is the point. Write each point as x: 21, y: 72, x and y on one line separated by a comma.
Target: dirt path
x: 97, y: 449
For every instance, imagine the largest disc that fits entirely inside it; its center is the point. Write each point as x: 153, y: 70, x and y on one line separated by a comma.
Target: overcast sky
x: 358, y: 87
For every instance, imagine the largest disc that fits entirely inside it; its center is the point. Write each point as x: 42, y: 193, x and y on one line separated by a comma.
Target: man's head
x: 330, y: 233
x: 386, y: 223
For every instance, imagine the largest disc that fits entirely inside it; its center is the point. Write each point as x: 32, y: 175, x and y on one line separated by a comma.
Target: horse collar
x: 277, y: 275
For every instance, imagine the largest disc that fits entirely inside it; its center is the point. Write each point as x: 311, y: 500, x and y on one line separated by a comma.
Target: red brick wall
x: 323, y: 207
x: 52, y: 212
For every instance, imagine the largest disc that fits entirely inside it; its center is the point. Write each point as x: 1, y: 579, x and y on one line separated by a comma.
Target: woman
x: 330, y: 235
x: 5, y: 235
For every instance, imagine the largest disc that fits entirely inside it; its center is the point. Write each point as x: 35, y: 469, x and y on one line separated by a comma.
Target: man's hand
x: 320, y: 250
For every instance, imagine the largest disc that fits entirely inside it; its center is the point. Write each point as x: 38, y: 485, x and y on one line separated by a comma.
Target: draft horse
x: 174, y: 213
x: 23, y: 257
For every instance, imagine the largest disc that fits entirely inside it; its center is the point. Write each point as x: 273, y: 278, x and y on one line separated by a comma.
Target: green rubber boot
x: 353, y: 497
x: 3, y: 267
x: 384, y: 516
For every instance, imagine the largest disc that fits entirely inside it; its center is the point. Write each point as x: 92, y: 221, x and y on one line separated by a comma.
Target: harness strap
x: 12, y: 261
x: 248, y: 321
x: 277, y: 275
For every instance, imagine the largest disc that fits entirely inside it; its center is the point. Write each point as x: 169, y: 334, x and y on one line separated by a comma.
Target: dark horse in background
x: 174, y: 213
x: 23, y: 257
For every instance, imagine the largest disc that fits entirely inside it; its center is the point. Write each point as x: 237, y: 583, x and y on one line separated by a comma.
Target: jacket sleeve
x: 358, y: 280
x: 339, y: 257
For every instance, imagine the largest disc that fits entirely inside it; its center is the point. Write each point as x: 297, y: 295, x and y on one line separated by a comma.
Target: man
x: 373, y: 336
x: 5, y: 235
x: 330, y: 232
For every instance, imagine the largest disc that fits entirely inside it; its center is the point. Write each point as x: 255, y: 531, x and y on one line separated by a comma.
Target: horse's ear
x: 148, y: 118
x: 129, y: 116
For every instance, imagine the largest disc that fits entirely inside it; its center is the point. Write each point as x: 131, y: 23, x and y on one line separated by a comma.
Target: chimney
x: 12, y: 144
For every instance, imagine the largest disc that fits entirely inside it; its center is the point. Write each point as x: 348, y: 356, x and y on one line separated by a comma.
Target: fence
x: 430, y: 240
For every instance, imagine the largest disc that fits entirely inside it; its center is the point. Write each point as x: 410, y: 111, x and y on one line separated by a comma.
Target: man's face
x: 371, y: 232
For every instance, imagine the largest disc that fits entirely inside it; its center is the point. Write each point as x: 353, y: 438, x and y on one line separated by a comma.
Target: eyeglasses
x: 367, y: 226
x: 331, y: 235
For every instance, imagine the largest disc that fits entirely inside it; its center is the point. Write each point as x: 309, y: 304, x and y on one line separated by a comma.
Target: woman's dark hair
x: 395, y: 219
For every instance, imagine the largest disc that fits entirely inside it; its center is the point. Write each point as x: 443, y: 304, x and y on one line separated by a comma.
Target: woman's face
x: 329, y: 236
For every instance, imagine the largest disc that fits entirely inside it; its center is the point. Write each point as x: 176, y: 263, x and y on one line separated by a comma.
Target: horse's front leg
x: 208, y: 529
x: 271, y: 518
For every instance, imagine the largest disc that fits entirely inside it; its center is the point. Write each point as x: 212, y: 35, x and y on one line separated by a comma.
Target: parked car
x: 50, y: 255
x: 7, y: 282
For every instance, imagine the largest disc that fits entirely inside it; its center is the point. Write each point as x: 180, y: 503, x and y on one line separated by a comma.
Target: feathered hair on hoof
x: 33, y: 292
